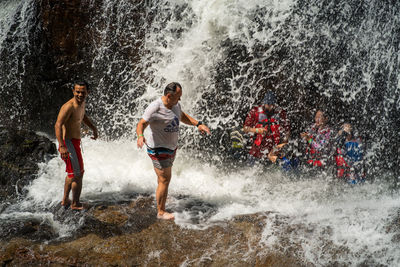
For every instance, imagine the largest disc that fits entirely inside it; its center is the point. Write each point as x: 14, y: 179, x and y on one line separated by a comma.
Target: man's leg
x: 76, y: 187
x: 163, y: 178
x: 67, y: 188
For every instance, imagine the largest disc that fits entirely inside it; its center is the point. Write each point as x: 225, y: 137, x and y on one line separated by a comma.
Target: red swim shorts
x: 74, y: 162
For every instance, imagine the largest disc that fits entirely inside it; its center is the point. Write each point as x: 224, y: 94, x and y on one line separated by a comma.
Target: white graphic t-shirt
x: 164, y: 124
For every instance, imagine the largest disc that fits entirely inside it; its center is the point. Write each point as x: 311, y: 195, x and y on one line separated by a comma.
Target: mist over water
x: 225, y: 54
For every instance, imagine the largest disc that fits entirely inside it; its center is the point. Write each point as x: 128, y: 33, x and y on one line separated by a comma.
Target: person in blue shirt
x: 349, y: 155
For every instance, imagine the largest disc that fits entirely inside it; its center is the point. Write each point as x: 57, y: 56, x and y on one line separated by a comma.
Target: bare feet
x: 165, y: 216
x: 77, y: 206
x: 66, y: 203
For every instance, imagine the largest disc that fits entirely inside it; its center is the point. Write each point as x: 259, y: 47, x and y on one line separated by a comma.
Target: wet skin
x: 68, y: 126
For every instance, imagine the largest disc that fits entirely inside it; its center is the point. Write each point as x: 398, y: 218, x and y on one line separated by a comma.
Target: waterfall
x: 16, y: 22
x: 342, y: 56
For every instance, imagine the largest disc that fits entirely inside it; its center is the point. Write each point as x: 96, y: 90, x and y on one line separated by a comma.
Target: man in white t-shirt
x: 163, y: 115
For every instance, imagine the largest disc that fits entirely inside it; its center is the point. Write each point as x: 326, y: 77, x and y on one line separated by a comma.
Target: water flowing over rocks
x: 129, y: 235
x: 20, y: 152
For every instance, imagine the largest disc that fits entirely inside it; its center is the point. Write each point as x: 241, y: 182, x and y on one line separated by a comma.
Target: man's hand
x: 64, y: 152
x: 272, y: 157
x: 274, y: 153
x: 203, y: 129
x: 95, y: 134
x: 141, y: 141
x: 142, y: 124
x: 262, y: 131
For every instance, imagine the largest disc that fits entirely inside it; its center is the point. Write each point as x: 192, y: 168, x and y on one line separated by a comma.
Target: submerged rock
x: 32, y: 229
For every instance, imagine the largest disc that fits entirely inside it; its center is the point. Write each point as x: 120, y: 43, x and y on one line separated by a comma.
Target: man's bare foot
x: 77, y: 206
x: 165, y: 216
x: 66, y: 203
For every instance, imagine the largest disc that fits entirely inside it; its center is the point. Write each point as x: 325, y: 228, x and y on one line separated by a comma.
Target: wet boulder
x: 20, y: 152
x: 32, y: 229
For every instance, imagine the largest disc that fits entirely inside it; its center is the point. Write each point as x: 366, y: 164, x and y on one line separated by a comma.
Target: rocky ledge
x: 129, y: 234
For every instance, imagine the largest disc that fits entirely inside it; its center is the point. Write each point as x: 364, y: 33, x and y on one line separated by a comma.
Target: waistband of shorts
x: 159, y: 150
x: 73, y: 139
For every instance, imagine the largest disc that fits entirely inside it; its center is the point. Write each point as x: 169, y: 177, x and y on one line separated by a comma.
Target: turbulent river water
x: 225, y: 53
x: 332, y: 220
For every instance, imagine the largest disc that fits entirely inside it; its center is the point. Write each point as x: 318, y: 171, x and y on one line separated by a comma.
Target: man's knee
x: 164, y: 180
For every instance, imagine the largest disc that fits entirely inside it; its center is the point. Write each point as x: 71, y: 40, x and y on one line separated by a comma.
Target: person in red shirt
x: 269, y: 124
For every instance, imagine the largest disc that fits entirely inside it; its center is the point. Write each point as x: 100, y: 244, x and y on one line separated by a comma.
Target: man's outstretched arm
x: 185, y: 118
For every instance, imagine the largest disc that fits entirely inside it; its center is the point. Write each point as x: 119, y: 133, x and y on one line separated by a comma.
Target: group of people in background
x: 321, y: 147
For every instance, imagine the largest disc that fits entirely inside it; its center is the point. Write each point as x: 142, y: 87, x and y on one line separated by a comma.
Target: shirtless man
x: 68, y: 133
x: 163, y: 116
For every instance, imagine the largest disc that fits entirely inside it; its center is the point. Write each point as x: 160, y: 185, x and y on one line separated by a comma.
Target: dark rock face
x: 20, y: 152
x: 52, y: 43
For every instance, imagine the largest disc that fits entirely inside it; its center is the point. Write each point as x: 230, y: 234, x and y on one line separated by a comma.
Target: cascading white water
x: 333, y: 221
x: 7, y: 9
x: 15, y: 23
x: 186, y: 43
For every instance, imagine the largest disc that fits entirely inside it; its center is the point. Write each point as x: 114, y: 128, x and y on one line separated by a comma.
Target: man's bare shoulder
x: 69, y: 105
x: 67, y: 108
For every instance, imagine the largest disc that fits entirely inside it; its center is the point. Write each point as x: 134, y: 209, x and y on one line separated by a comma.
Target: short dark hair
x: 171, y: 88
x: 81, y: 83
